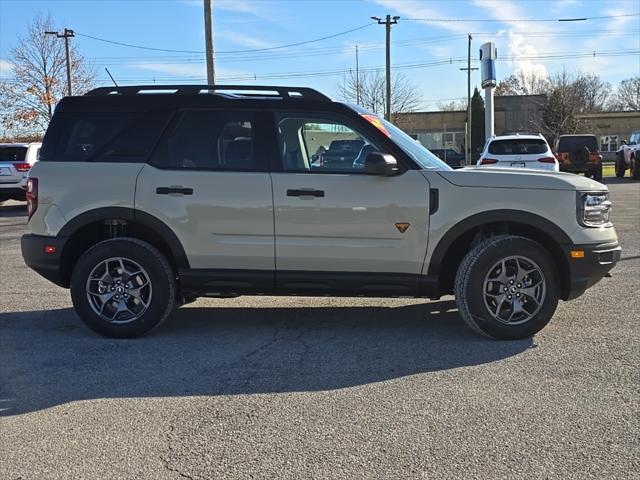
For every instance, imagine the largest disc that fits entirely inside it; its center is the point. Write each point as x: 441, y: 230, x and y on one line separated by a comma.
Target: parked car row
x: 16, y: 159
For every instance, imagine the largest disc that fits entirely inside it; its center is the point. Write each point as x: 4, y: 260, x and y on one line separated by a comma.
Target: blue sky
x: 257, y: 24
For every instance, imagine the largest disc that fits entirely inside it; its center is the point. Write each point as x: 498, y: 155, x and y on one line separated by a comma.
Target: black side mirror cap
x: 377, y: 163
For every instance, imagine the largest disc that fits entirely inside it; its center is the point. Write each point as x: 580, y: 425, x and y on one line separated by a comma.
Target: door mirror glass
x: 378, y: 163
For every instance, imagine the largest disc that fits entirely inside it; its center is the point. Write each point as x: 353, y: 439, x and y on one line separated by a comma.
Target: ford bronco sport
x: 148, y: 197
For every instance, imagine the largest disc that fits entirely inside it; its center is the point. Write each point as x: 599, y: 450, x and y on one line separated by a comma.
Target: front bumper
x: 586, y: 271
x: 46, y: 264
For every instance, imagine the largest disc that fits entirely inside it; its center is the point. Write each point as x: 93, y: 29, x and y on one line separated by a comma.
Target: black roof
x: 145, y: 97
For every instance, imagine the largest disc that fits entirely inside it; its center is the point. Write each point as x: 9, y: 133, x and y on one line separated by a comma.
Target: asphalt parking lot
x: 320, y: 388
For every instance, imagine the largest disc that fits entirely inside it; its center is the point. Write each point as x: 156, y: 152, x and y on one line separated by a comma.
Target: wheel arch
x: 93, y: 226
x: 455, y: 243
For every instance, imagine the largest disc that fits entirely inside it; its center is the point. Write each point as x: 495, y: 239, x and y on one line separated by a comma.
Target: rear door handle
x: 305, y: 193
x: 175, y: 190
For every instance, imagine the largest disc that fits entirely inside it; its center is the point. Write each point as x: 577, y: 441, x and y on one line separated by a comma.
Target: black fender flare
x: 133, y: 216
x: 529, y: 219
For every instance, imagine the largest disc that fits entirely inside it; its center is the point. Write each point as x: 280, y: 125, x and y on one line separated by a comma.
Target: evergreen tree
x: 477, y: 125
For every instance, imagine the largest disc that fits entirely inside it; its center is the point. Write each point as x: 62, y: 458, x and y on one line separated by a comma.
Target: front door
x: 337, y: 228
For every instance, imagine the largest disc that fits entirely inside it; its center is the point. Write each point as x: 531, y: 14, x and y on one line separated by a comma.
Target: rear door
x: 13, y: 166
x: 337, y: 228
x: 518, y: 152
x: 208, y: 181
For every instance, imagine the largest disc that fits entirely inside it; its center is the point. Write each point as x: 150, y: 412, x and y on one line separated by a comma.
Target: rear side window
x: 83, y: 135
x: 12, y: 154
x: 209, y: 140
x: 570, y: 144
x: 103, y: 137
x: 518, y: 147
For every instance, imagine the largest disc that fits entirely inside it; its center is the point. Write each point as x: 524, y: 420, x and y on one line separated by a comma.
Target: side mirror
x: 377, y: 163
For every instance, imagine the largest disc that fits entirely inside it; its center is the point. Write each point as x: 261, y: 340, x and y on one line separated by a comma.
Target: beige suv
x: 148, y: 197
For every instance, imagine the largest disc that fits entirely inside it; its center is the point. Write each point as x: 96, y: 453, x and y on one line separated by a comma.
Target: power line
x: 253, y: 50
x: 476, y: 20
x: 402, y: 66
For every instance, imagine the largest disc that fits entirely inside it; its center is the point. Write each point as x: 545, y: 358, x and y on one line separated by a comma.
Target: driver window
x: 320, y: 145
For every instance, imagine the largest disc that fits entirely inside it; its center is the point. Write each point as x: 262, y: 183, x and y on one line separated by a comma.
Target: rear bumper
x: 585, y: 272
x: 46, y: 264
x: 583, y: 168
x: 12, y: 190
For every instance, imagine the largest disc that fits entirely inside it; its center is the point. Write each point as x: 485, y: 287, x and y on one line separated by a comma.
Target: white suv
x: 519, y: 151
x: 141, y: 202
x: 16, y: 159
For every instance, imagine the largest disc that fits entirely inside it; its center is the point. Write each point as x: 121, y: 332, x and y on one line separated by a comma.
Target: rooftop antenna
x: 111, y: 76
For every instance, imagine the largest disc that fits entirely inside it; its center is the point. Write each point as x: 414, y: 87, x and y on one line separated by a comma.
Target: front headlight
x: 594, y: 209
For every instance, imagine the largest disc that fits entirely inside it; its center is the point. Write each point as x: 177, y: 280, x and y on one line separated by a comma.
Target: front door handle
x: 174, y: 190
x: 305, y: 193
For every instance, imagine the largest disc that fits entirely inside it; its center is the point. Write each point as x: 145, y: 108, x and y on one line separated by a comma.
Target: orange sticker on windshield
x: 376, y: 122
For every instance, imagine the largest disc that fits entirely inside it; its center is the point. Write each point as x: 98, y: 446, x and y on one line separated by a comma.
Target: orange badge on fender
x: 402, y: 227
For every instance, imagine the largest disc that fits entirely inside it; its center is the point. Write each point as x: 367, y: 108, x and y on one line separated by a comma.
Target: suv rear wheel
x: 620, y: 166
x: 596, y: 174
x: 123, y: 288
x: 506, y: 288
x: 635, y: 168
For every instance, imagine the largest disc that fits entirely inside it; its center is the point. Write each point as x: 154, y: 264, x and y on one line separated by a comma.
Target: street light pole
x: 66, y: 34
x: 387, y: 22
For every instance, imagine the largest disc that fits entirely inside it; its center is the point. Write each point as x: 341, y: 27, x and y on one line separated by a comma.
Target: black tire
x: 161, y: 279
x: 635, y: 168
x: 620, y: 166
x: 597, y: 174
x: 470, y: 284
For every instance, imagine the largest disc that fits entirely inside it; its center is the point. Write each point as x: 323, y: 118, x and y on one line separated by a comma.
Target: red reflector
x: 49, y: 249
x: 547, y: 160
x: 488, y: 161
x: 32, y: 196
x: 22, y: 166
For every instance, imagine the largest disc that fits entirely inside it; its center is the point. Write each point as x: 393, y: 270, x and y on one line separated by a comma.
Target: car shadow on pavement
x: 49, y: 358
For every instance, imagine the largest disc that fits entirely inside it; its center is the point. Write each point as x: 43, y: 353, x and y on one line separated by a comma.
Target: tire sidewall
x: 147, y: 257
x: 475, y: 283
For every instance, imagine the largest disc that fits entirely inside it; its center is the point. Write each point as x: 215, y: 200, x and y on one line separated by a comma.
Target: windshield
x: 414, y: 149
x: 12, y: 154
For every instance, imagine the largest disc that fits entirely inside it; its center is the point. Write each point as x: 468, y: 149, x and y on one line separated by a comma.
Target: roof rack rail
x: 283, y: 92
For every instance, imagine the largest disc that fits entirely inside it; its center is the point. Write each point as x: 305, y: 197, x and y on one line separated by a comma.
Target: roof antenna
x: 111, y: 76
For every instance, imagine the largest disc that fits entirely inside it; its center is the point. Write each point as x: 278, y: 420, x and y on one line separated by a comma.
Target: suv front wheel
x: 506, y: 288
x: 123, y: 288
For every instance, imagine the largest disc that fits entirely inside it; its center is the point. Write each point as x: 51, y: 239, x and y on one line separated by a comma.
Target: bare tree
x: 564, y: 102
x: 369, y: 88
x: 626, y: 95
x: 523, y: 82
x: 39, y: 78
x: 452, y: 106
x: 591, y: 92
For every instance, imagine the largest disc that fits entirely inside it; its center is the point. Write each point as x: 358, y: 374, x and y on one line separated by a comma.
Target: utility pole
x: 357, y: 78
x: 467, y: 140
x: 387, y: 22
x: 66, y: 34
x: 208, y: 38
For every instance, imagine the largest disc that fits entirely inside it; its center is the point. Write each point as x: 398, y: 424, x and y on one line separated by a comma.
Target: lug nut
x: 509, y: 297
x: 519, y: 285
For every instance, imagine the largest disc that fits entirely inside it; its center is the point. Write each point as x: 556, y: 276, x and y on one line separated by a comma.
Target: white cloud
x: 244, y: 39
x: 6, y: 68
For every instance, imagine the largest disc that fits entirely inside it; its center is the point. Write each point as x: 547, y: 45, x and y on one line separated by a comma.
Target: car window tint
x: 518, y: 147
x: 135, y: 142
x: 569, y: 144
x: 83, y: 135
x: 321, y: 145
x: 12, y: 154
x: 209, y: 140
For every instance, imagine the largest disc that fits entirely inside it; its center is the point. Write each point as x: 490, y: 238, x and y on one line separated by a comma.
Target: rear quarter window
x: 103, y: 137
x: 518, y: 147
